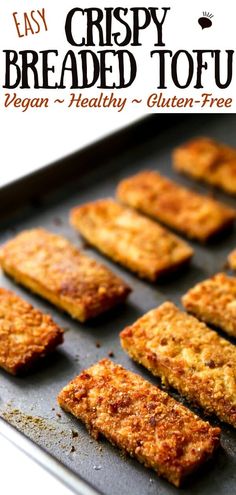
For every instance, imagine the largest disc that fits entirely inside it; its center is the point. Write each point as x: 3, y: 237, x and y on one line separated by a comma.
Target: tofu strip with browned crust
x: 134, y: 241
x: 26, y: 334
x: 214, y: 301
x: 188, y: 356
x: 55, y: 269
x: 140, y: 419
x: 196, y: 216
x: 209, y: 161
x: 232, y: 260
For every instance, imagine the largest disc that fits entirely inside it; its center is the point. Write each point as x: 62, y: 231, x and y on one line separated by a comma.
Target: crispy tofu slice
x: 55, y: 269
x: 214, y: 301
x: 188, y: 356
x: 192, y: 214
x: 232, y: 259
x: 209, y: 161
x: 130, y: 239
x: 140, y: 419
x: 26, y: 334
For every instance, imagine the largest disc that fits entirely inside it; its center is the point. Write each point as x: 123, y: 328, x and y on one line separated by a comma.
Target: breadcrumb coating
x: 214, y: 301
x: 55, y: 269
x: 188, y: 356
x: 209, y: 161
x: 26, y: 334
x: 192, y: 214
x: 130, y: 239
x: 140, y: 419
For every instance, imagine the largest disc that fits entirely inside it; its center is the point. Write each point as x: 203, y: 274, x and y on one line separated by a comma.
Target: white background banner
x: 180, y: 62
x: 42, y: 124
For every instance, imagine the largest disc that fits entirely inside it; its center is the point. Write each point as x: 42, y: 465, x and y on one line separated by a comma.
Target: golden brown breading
x: 140, y: 419
x: 194, y: 215
x: 208, y: 161
x: 26, y: 334
x: 187, y: 355
x: 52, y: 267
x: 232, y: 259
x: 129, y: 238
x: 214, y: 301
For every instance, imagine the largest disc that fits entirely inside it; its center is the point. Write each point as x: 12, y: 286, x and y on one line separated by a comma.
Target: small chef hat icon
x: 205, y: 21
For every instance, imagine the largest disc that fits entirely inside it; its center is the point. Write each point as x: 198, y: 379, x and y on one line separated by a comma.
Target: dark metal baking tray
x: 29, y: 403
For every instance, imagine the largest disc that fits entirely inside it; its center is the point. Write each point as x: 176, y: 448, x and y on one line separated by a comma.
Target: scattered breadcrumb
x: 74, y: 434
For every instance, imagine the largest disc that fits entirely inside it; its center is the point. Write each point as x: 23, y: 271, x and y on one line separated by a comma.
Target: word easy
x: 30, y: 22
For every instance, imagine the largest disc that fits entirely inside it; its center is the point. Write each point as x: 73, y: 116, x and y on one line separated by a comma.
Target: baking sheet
x: 29, y: 403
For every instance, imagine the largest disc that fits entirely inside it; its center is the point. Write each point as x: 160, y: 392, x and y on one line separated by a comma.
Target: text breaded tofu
x: 214, y: 301
x: 192, y: 214
x: 187, y: 355
x: 232, y: 259
x: 26, y: 334
x: 209, y: 161
x: 55, y: 269
x: 136, y: 242
x: 140, y: 419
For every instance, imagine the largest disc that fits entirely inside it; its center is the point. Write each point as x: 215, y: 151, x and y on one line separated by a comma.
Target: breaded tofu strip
x: 139, y: 418
x: 209, y: 161
x: 187, y: 355
x: 214, y: 301
x: 129, y: 238
x: 26, y: 334
x: 195, y: 216
x: 52, y: 267
x: 232, y: 259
